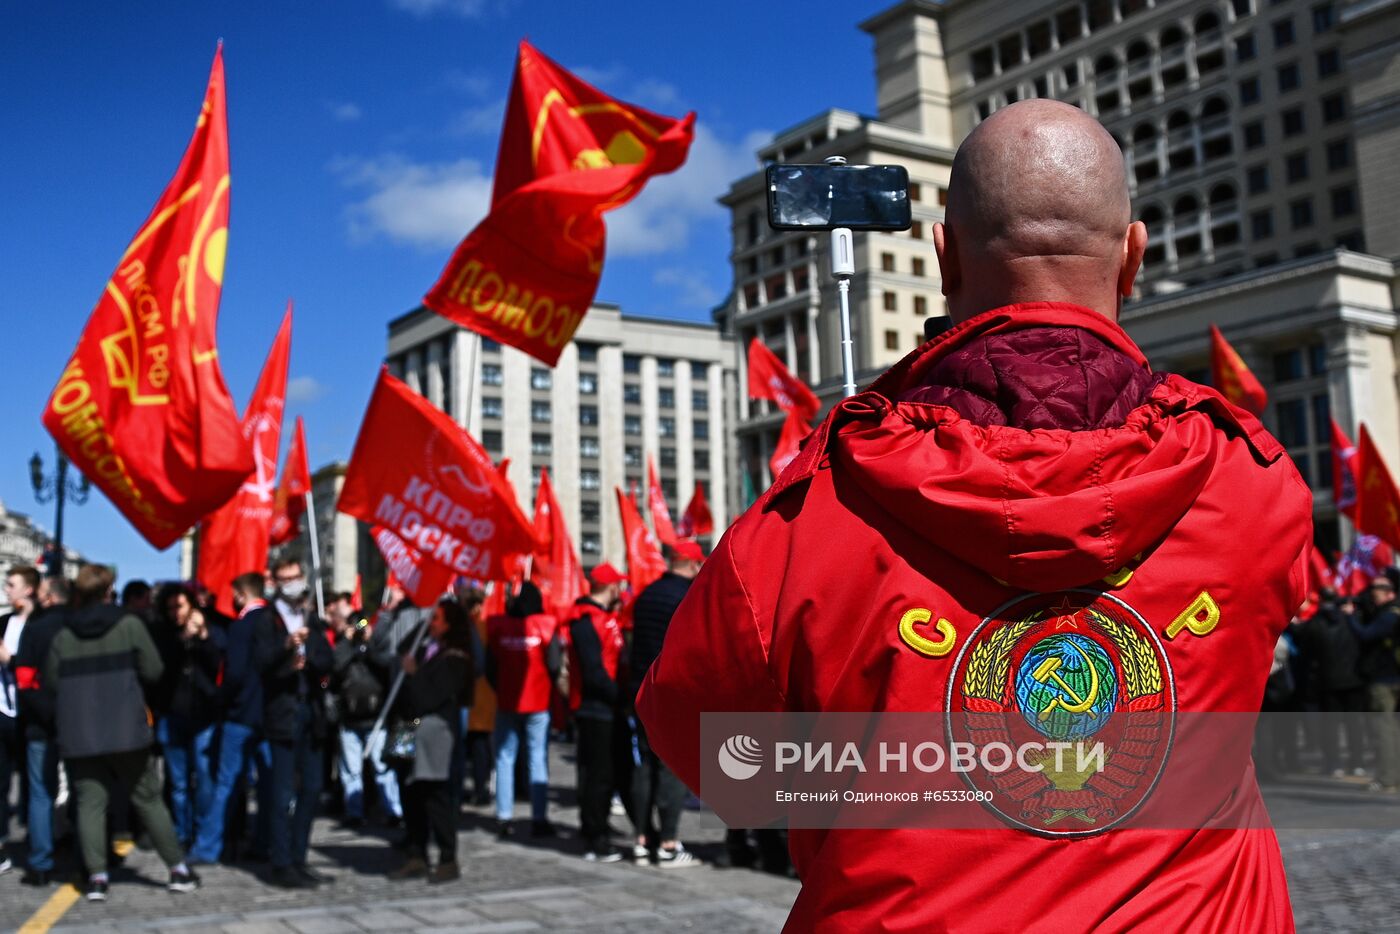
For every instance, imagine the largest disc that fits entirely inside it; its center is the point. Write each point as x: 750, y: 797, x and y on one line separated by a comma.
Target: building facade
x: 1259, y: 139
x: 625, y: 389
x: 24, y: 542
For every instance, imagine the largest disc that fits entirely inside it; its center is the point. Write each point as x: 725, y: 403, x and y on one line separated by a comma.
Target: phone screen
x: 822, y: 197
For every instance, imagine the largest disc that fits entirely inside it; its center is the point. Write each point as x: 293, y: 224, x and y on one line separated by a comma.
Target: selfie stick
x: 843, y: 267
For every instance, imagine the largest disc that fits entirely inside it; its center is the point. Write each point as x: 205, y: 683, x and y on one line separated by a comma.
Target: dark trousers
x: 428, y: 812
x: 483, y: 759
x: 595, y: 779
x: 9, y: 765
x: 655, y: 787
x: 1349, y: 703
x: 296, y: 790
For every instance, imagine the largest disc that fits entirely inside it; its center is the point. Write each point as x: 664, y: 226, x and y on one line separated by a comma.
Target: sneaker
x: 675, y: 859
x: 603, y: 855
x: 97, y: 890
x: 616, y: 808
x: 1359, y: 772
x: 183, y: 882
x: 6, y: 865
x: 640, y: 854
x: 542, y: 828
x: 1339, y: 773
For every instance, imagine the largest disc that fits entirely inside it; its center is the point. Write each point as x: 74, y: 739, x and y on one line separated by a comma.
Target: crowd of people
x: 155, y: 716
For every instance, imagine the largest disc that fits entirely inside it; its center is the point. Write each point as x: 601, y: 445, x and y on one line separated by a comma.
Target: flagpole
x: 315, y: 553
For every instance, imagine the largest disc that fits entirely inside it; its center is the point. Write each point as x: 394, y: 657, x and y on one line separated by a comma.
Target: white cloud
x: 474, y: 84
x: 428, y: 205
x: 693, y: 291
x: 483, y: 120
x: 303, y: 389
x: 467, y: 9
x: 345, y: 111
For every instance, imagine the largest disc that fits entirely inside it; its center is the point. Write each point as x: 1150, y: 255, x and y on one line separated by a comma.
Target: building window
x: 1283, y: 33
x: 588, y: 447
x: 1257, y: 179
x: 587, y: 384
x: 1289, y: 365
x: 916, y: 230
x: 588, y: 415
x: 916, y: 266
x: 1249, y: 91
x: 491, y: 440
x: 887, y: 262
x: 701, y: 430
x: 542, y: 445
x: 1293, y: 422
x: 1242, y: 8
x: 700, y: 399
x: 540, y: 378
x: 587, y: 352
x: 540, y: 412
x: 1343, y: 201
x: 751, y: 295
x: 800, y: 279
x: 666, y: 398
x: 590, y: 510
x: 1261, y: 224
x: 751, y: 228
x: 700, y: 460
x: 666, y: 457
x: 589, y: 479
x: 632, y: 455
x: 1292, y: 120
x: 915, y: 191
x: 1289, y: 78
x: 591, y: 543
x: 1338, y: 155
x: 1296, y: 167
x: 1324, y: 17
x: 631, y: 424
x: 1334, y: 107
x: 666, y: 426
x: 1244, y: 48
x: 921, y: 306
x: 632, y: 393
x: 1300, y: 213
x: 1253, y: 135
x: 891, y: 340
x: 491, y: 374
x: 490, y: 407
x: 890, y: 301
x: 775, y: 256
x: 1353, y: 240
x: 490, y: 346
x: 1329, y: 62
x: 631, y: 363
x: 665, y: 366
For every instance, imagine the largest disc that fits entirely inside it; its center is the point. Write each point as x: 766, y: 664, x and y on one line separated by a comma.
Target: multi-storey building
x: 626, y: 389
x: 1259, y: 138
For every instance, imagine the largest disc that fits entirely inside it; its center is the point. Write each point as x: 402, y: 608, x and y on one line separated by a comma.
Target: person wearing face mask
x: 293, y: 656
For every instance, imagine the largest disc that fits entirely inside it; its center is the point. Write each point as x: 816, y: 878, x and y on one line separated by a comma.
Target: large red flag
x: 234, y: 539
x: 141, y: 408
x: 1343, y: 472
x: 528, y: 272
x: 644, y: 561
x: 795, y: 428
x: 418, y: 473
x: 770, y: 379
x: 1322, y: 574
x: 421, y: 579
x: 1377, y: 499
x: 697, y: 521
x: 1232, y: 377
x: 556, y: 570
x: 656, y: 502
x: 290, y: 502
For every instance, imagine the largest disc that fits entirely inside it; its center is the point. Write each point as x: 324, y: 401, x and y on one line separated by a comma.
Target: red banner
x: 795, y: 428
x: 656, y: 502
x: 697, y: 520
x: 1343, y: 472
x: 1232, y: 377
x: 644, y: 561
x: 770, y: 379
x: 422, y: 580
x: 141, y: 408
x: 234, y: 539
x: 417, y: 472
x: 528, y: 272
x: 556, y: 570
x: 1377, y: 499
x: 290, y: 501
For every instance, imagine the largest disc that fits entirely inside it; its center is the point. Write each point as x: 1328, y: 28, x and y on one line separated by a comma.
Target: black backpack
x: 361, y: 691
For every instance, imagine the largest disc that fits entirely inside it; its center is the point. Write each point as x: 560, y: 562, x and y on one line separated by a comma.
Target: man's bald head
x: 1038, y: 207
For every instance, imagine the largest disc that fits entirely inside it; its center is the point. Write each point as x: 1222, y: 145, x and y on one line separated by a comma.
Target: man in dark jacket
x: 1379, y: 666
x: 36, y: 707
x: 361, y: 683
x: 1341, y: 690
x: 96, y: 665
x: 653, y: 784
x: 293, y: 656
x: 595, y: 646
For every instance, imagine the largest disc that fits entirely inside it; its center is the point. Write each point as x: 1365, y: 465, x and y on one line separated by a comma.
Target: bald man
x: 1024, y: 536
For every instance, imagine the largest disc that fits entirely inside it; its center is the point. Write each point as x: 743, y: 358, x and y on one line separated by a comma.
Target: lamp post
x: 57, y: 487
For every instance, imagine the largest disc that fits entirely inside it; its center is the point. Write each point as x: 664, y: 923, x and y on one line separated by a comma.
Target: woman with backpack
x: 360, y: 681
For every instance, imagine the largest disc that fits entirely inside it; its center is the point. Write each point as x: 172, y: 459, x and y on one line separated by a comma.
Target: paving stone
x: 336, y: 924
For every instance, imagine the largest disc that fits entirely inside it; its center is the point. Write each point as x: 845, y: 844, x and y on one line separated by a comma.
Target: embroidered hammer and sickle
x: 1048, y: 670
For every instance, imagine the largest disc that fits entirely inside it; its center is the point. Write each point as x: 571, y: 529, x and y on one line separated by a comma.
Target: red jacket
x: 893, y: 505
x: 518, y: 649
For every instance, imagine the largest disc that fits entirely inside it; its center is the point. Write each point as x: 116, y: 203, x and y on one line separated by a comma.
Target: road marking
x: 49, y: 912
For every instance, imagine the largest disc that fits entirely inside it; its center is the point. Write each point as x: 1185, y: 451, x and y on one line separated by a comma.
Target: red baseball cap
x: 605, y: 574
x: 688, y: 551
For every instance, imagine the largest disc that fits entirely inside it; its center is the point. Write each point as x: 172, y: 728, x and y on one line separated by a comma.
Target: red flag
x: 644, y: 561
x: 1360, y: 565
x: 417, y: 472
x: 1232, y: 377
x: 770, y: 379
x: 290, y: 501
x: 697, y: 520
x: 234, y: 539
x: 1377, y: 499
x: 357, y: 599
x: 422, y: 580
x: 656, y: 502
x: 528, y: 272
x: 556, y: 570
x: 1343, y: 472
x: 1322, y: 573
x: 795, y: 428
x: 141, y: 408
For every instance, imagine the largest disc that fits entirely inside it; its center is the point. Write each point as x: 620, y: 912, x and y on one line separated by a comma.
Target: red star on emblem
x: 1066, y: 616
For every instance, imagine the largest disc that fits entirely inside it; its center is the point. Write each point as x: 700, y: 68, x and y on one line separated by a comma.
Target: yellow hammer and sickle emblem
x: 1048, y: 670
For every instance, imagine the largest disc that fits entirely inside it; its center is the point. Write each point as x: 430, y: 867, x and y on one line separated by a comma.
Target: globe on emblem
x: 1066, y: 687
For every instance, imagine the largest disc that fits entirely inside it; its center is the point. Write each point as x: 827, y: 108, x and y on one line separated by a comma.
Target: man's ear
x: 1134, y: 246
x: 945, y: 248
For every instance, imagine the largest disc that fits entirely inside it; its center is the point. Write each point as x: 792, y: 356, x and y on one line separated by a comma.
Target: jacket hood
x: 1034, y: 507
x: 93, y: 622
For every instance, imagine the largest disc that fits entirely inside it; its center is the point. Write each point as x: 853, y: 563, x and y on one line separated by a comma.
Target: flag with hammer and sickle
x: 528, y: 272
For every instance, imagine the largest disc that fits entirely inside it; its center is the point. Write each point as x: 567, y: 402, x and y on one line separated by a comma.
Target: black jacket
x: 597, y: 690
x: 439, y: 685
x: 283, y: 686
x: 651, y: 617
x: 1378, y: 641
x: 359, y: 680
x: 36, y: 699
x: 189, y: 689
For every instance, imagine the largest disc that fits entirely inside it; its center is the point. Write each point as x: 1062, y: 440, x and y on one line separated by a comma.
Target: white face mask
x: 292, y: 590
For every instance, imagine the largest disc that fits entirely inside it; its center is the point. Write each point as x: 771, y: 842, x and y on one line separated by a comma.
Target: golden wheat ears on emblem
x: 1141, y: 672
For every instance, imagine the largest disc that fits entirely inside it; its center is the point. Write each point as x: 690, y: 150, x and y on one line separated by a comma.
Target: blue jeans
x: 42, y: 757
x: 296, y: 790
x: 509, y: 727
x: 239, y: 747
x: 187, y: 747
x: 352, y: 761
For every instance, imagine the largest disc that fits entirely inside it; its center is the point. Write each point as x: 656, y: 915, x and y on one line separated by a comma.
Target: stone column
x: 611, y: 442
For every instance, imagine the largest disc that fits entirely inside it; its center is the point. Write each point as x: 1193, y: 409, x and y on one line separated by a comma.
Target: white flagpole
x: 315, y: 554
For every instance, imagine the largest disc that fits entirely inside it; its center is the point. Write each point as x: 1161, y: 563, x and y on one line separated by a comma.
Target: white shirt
x: 8, y: 707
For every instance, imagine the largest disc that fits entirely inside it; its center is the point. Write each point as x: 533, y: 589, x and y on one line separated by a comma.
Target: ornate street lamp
x: 57, y: 488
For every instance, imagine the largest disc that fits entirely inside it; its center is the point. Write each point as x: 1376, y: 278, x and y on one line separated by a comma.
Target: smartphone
x: 824, y: 197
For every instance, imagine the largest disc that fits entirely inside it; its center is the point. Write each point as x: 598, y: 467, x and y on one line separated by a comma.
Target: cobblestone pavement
x: 1341, y: 881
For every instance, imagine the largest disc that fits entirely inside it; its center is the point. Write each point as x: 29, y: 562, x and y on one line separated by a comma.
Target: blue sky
x: 362, y: 135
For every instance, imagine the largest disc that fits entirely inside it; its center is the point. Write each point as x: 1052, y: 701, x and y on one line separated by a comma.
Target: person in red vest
x: 524, y: 653
x: 1019, y: 521
x: 595, y: 647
